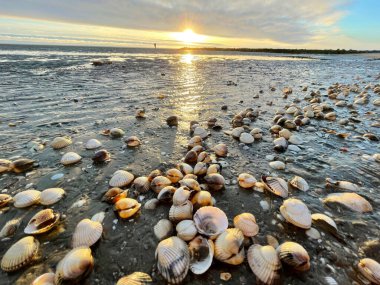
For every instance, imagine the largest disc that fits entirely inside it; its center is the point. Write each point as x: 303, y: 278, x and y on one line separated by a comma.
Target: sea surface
x: 49, y: 91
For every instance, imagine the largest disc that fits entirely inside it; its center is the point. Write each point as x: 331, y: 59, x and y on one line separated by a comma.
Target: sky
x: 322, y: 24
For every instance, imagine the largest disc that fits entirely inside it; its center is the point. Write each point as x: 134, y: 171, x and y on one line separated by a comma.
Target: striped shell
x: 264, y: 263
x: 181, y: 212
x: 159, y: 182
x: 51, y: 196
x: 44, y: 279
x: 127, y: 207
x: 181, y: 195
x: 210, y: 221
x: 185, y: 168
x: 163, y: 229
x: 174, y: 175
x: 370, y: 269
x: 166, y: 194
x: 296, y: 212
x: 26, y: 198
x: 61, y: 142
x: 192, y: 184
x: 352, y: 201
x: 246, y: 222
x: 42, y: 222
x: 70, y: 158
x: 215, y: 181
x: 201, y: 254
x: 121, y: 178
x: 186, y: 230
x: 229, y: 247
x: 93, y: 144
x: 5, y: 199
x: 246, y: 180
x: 276, y: 185
x: 136, y: 278
x: 87, y: 233
x: 173, y: 259
x: 20, y: 254
x: 220, y: 150
x: 141, y: 184
x: 10, y: 228
x: 294, y: 255
x: 299, y: 183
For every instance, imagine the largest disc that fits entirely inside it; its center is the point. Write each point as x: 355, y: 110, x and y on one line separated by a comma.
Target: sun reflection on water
x: 187, y: 58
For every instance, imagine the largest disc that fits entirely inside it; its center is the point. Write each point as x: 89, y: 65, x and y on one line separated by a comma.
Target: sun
x: 189, y: 37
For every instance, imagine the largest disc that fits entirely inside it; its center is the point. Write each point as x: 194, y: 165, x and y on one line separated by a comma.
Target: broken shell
x: 166, y: 194
x: 136, y: 278
x: 210, y: 221
x: 114, y: 194
x: 246, y: 180
x: 127, y: 207
x: 201, y: 254
x: 154, y: 174
x: 296, y: 212
x: 93, y: 144
x: 276, y: 185
x: 214, y: 168
x: 51, y: 196
x: 70, y: 158
x: 44, y: 279
x: 221, y: 150
x: 229, y: 247
x: 173, y: 259
x: 132, y: 141
x: 186, y: 230
x: 246, y: 222
x: 191, y: 157
x: 215, y: 181
x: 352, y: 201
x: 61, y: 142
x: 42, y: 222
x: 116, y: 133
x: 294, y: 255
x: 185, y: 168
x: 299, y: 183
x: 370, y: 269
x: 201, y: 199
x: 10, y: 228
x: 196, y: 140
x: 101, y: 156
x: 5, y: 199
x: 21, y: 165
x: 344, y: 185
x: 140, y: 113
x: 159, y: 183
x: 204, y: 157
x: 181, y: 195
x: 174, y: 175
x: 192, y: 184
x: 181, y: 212
x: 5, y: 165
x: 200, y: 168
x: 172, y: 121
x: 121, y: 178
x: 87, y: 233
x: 163, y: 229
x: 26, y: 198
x: 141, y: 184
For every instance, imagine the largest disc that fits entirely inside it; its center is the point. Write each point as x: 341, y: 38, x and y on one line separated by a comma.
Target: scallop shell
x: 127, y: 207
x: 296, y: 213
x: 246, y: 180
x: 87, y: 233
x: 141, y: 184
x: 163, y: 229
x: 93, y: 144
x: 42, y: 222
x: 173, y: 259
x: 70, y: 158
x: 136, y: 278
x: 10, y: 227
x: 352, y: 201
x: 5, y: 199
x: 20, y: 254
x: 159, y: 183
x: 114, y: 194
x: 174, y: 175
x: 51, y: 196
x: 5, y: 165
x: 44, y: 279
x: 192, y: 184
x: 264, y: 263
x: 221, y: 150
x: 181, y: 195
x: 276, y: 185
x: 186, y: 230
x: 98, y: 217
x: 210, y: 221
x: 246, y: 222
x: 61, y: 142
x: 201, y: 254
x: 121, y: 178
x: 76, y: 264
x: 26, y: 198
x: 229, y: 247
x: 294, y: 255
x: 215, y: 181
x: 166, y: 194
x: 299, y: 183
x: 370, y: 269
x: 181, y: 212
x: 185, y: 168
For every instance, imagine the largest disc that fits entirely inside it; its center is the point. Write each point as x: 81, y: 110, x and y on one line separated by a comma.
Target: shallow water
x: 50, y: 91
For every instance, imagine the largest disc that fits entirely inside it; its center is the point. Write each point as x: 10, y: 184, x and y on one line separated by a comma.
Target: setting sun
x: 189, y: 37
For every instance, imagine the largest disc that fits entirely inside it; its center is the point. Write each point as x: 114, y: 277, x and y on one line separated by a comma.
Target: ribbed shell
x: 181, y: 212
x: 26, y: 198
x: 114, y: 194
x: 220, y: 150
x: 159, y: 182
x: 181, y: 195
x: 51, y: 196
x: 121, y: 178
x: 186, y: 230
x: 294, y: 255
x: 370, y: 269
x: 87, y: 233
x: 246, y: 180
x: 229, y: 247
x: 61, y: 142
x: 136, y: 278
x: 185, y: 168
x: 174, y: 175
x: 166, y: 194
x: 163, y: 229
x: 352, y: 201
x: 276, y: 185
x: 70, y: 158
x: 264, y: 263
x: 215, y: 181
x: 296, y: 213
x: 192, y: 184
x: 44, y: 279
x: 201, y: 254
x: 93, y: 144
x: 5, y: 199
x: 10, y: 227
x: 20, y: 254
x: 141, y: 184
x: 42, y: 222
x: 299, y: 183
x: 210, y: 221
x: 173, y: 259
x: 246, y: 222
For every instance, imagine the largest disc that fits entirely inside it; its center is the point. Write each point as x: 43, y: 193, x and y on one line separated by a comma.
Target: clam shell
x: 42, y: 222
x: 154, y: 174
x: 151, y: 204
x: 215, y: 181
x: 190, y: 176
x: 21, y: 165
x: 229, y: 247
x: 70, y: 158
x: 26, y: 198
x: 166, y: 194
x: 210, y: 221
x: 192, y: 184
x: 10, y: 227
x: 191, y: 157
x: 60, y: 142
x: 370, y: 269
x: 127, y: 207
x: 20, y: 254
x: 299, y: 183
x: 136, y: 278
x: 221, y: 150
x: 101, y: 156
x: 51, y: 196
x: 246, y: 180
x: 114, y: 194
x: 173, y: 259
x: 116, y: 132
x: 296, y: 213
x: 201, y: 199
x: 186, y: 230
x: 294, y: 255
x: 174, y: 175
x: 264, y: 263
x: 185, y: 168
x: 181, y: 212
x: 352, y: 201
x: 5, y: 199
x: 276, y: 185
x: 246, y: 222
x: 200, y: 168
x: 93, y: 144
x: 76, y: 264
x: 201, y: 254
x: 5, y: 165
x: 159, y: 182
x: 44, y: 279
x: 141, y: 184
x: 343, y: 185
x: 132, y: 141
x: 214, y: 168
x: 181, y: 195
x: 163, y: 229
x: 322, y: 217
x: 121, y: 178
x: 204, y: 157
x: 196, y: 140
x: 87, y: 233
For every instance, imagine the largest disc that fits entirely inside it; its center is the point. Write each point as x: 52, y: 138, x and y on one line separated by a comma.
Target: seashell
x: 264, y: 263
x: 93, y: 144
x: 172, y: 121
x: 257, y: 133
x: 215, y: 181
x: 370, y: 269
x: 275, y: 129
x: 294, y: 255
x: 211, y: 122
x: 376, y: 157
x: 201, y: 199
x: 185, y: 168
x: 371, y: 137
x: 285, y: 133
x: 299, y: 183
x: 132, y: 141
x: 87, y: 233
x: 70, y: 158
x: 192, y: 184
x: 246, y: 138
x: 290, y: 125
x: 101, y: 156
x: 210, y: 221
x: 246, y: 222
x: 190, y: 176
x: 98, y: 217
x: 214, y: 168
x: 26, y: 198
x: 291, y: 110
x: 61, y: 142
x: 186, y: 230
x: 229, y: 247
x: 10, y: 228
x: 199, y: 131
x: 344, y: 185
x: 181, y: 195
x: 221, y: 150
x: 136, y: 278
x: 279, y: 165
x: 5, y: 165
x: 21, y: 165
x: 154, y: 174
x: 20, y: 254
x: 174, y: 175
x: 330, y: 281
x: 281, y: 142
x: 116, y: 133
x: 141, y: 184
x: 44, y: 279
x: 326, y: 219
x: 204, y: 157
x: 173, y: 259
x: 181, y: 212
x: 246, y: 180
x: 276, y: 185
x: 196, y: 140
x: 114, y: 194
x: 151, y: 204
x: 236, y: 132
x: 159, y: 183
x: 42, y: 222
x: 5, y: 199
x: 76, y: 265
x: 163, y: 229
x: 201, y: 254
x: 330, y: 116
x: 352, y: 201
x: 296, y: 212
x: 191, y: 157
x: 51, y: 196
x: 121, y: 178
x: 200, y: 168
x: 166, y: 194
x: 140, y: 113
x: 198, y: 149
x: 127, y: 207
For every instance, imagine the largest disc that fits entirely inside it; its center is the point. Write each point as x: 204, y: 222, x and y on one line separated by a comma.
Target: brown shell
x: 21, y: 165
x: 127, y: 207
x: 294, y: 255
x: 132, y: 141
x: 159, y: 183
x: 5, y: 165
x: 141, y: 184
x: 174, y: 175
x: 44, y: 279
x: 5, y: 199
x: 42, y: 222
x: 61, y: 142
x: 246, y: 222
x: 114, y: 194
x: 352, y: 201
x: 101, y: 156
x: 229, y: 247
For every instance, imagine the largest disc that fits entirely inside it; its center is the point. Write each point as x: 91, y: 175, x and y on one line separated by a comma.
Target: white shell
x: 344, y: 185
x: 121, y: 178
x: 26, y: 198
x: 370, y: 269
x: 246, y: 180
x: 236, y: 132
x: 98, y: 217
x: 199, y: 131
x: 296, y: 213
x: 228, y: 247
x: 181, y: 212
x: 51, y: 196
x: 201, y: 254
x: 186, y: 230
x: 276, y: 185
x: 295, y: 139
x: 210, y: 221
x: 44, y: 279
x: 70, y: 158
x: 181, y: 195
x: 281, y: 141
x: 163, y: 229
x: 93, y: 144
x: 87, y: 233
x: 10, y: 227
x: 299, y: 183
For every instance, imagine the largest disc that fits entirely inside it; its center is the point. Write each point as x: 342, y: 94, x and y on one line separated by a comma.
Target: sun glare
x: 189, y: 37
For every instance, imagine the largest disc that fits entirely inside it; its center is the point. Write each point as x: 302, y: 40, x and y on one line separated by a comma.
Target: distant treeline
x: 283, y: 50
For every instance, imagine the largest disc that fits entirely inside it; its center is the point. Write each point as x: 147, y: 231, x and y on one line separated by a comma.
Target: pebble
x: 269, y: 157
x: 313, y: 233
x: 279, y: 165
x: 57, y: 176
x: 294, y: 148
x: 246, y: 138
x: 264, y: 205
x: 311, y: 129
x: 295, y: 139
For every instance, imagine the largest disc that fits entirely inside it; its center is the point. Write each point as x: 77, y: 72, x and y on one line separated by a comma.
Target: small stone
x: 172, y: 121
x: 279, y: 165
x: 57, y: 176
x: 225, y: 276
x: 246, y: 138
x: 264, y: 205
x: 294, y: 148
x: 313, y: 233
x: 269, y: 157
x: 295, y: 139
